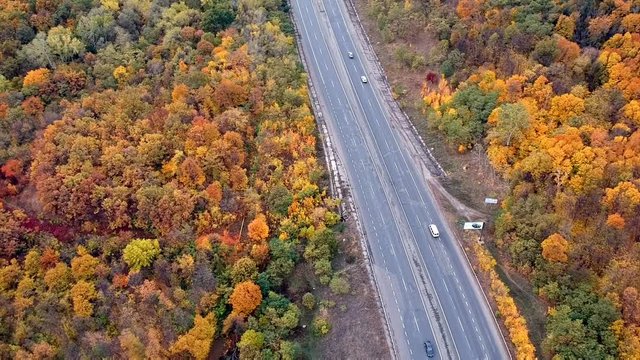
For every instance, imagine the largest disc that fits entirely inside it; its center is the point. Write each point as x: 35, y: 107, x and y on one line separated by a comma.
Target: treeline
x: 551, y: 91
x: 159, y: 181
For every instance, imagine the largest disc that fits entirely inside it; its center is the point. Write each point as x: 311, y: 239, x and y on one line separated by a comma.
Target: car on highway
x: 428, y: 348
x: 350, y: 54
x: 364, y: 79
x: 433, y: 229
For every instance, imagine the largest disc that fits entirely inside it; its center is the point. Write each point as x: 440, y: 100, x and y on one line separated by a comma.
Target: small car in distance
x: 433, y: 229
x: 350, y: 54
x: 364, y: 79
x: 428, y: 348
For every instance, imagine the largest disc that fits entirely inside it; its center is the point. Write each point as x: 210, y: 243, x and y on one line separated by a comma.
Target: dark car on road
x: 428, y: 348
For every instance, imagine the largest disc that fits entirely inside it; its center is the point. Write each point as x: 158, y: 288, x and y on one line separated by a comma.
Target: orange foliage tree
x: 555, y: 248
x: 258, y: 228
x: 38, y: 77
x: 245, y: 298
x: 615, y: 221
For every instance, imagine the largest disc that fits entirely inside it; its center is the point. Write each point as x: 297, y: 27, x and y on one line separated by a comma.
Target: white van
x: 434, y: 231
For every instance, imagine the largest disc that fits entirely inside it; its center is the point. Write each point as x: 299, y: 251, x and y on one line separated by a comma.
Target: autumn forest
x: 159, y: 181
x: 550, y: 91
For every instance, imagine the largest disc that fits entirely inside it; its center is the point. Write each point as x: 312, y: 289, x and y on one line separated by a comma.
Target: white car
x: 350, y: 55
x: 434, y: 231
x: 364, y: 79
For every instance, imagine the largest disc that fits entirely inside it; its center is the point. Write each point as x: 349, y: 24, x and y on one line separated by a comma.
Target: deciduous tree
x: 555, y: 248
x: 251, y: 344
x: 246, y: 296
x: 197, y: 341
x: 616, y: 221
x: 140, y: 253
x: 258, y: 228
x: 63, y: 44
x: 509, y: 123
x: 83, y: 266
x: 244, y: 269
x: 82, y: 293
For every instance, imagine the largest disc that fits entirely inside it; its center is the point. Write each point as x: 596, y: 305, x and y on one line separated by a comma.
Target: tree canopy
x: 159, y: 180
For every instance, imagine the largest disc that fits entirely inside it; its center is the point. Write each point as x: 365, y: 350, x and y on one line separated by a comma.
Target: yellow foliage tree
x: 58, y: 278
x: 83, y: 266
x: 609, y: 58
x: 555, y: 248
x: 180, y: 93
x: 112, y: 5
x: 121, y: 74
x: 513, y: 320
x: 566, y: 107
x: 625, y: 197
x: 540, y: 91
x: 82, y: 293
x: 436, y: 96
x: 632, y: 111
x: 24, y: 296
x: 566, y: 26
x: 36, y: 77
x: 132, y: 346
x: 197, y: 341
x: 628, y: 336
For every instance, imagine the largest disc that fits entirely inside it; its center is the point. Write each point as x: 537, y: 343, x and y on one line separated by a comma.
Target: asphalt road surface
x: 428, y: 291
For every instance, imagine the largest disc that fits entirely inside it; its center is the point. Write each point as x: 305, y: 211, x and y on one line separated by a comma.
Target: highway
x: 427, y: 288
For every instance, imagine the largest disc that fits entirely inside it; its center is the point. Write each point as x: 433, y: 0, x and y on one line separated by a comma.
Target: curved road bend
x: 426, y: 286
